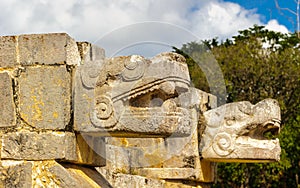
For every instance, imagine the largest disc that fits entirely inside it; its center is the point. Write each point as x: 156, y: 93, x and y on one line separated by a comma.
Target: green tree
x: 259, y: 64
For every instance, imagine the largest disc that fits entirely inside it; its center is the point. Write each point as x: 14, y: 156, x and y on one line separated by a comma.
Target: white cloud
x: 275, y: 26
x: 222, y: 19
x: 91, y: 19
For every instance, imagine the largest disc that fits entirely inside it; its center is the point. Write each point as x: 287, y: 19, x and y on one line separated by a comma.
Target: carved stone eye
x: 103, y: 107
x: 245, y: 107
x: 222, y: 144
x: 134, y: 68
x: 130, y: 65
x: 230, y: 122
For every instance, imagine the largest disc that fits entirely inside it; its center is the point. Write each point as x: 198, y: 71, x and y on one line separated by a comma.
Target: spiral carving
x: 133, y: 69
x: 223, y: 144
x: 103, y: 107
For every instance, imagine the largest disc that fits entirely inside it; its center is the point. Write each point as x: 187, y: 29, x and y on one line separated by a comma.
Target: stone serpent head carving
x: 238, y: 132
x: 135, y: 95
x: 137, y: 91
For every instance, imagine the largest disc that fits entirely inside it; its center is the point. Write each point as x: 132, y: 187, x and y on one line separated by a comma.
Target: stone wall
x: 39, y: 146
x: 36, y: 73
x: 49, y: 137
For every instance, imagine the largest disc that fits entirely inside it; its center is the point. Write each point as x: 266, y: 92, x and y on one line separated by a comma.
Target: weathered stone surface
x: 136, y: 181
x: 167, y: 173
x: 38, y: 146
x: 123, y: 180
x: 89, y: 52
x: 45, y: 95
x: 63, y: 177
x: 44, y: 174
x: 164, y: 158
x: 64, y: 146
x: 87, y: 177
x: 126, y: 180
x: 90, y: 150
x: 136, y: 92
x: 48, y: 49
x: 235, y: 132
x: 184, y: 184
x: 85, y: 80
x: 16, y: 174
x: 8, y: 51
x: 7, y: 105
x: 127, y: 96
x: 29, y: 174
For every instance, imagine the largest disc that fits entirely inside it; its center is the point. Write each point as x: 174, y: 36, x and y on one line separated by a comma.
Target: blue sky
x: 268, y: 10
x: 102, y: 21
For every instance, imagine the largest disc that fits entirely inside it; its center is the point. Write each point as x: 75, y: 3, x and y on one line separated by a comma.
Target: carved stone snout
x: 133, y: 96
x: 242, y: 132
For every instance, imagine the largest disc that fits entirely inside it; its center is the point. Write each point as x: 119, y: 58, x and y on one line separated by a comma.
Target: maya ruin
x: 71, y: 117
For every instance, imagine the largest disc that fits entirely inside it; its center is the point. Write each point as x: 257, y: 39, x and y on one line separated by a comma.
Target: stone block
x: 45, y: 95
x: 90, y: 150
x: 7, y: 105
x: 38, y: 146
x: 126, y: 180
x: 167, y: 173
x: 184, y: 184
x: 86, y: 176
x: 90, y: 52
x: 162, y: 158
x: 64, y: 178
x: 49, y: 173
x: 8, y: 51
x: 48, y: 49
x: 16, y: 174
x: 64, y: 146
x: 85, y: 79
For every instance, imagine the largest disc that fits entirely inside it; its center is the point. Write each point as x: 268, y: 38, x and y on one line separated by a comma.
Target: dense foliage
x: 258, y: 64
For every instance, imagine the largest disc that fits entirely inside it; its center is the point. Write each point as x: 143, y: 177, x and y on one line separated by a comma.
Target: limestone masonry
x: 71, y: 117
